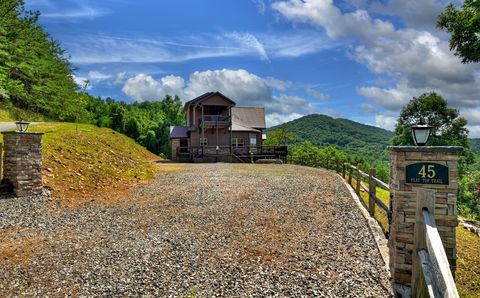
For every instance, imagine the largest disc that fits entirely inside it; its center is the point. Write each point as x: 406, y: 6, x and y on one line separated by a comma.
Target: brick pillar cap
x: 21, y: 133
x: 446, y: 149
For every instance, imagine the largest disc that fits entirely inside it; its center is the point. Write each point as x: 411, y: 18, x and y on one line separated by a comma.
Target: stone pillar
x: 175, y: 146
x: 403, y: 203
x: 23, y: 162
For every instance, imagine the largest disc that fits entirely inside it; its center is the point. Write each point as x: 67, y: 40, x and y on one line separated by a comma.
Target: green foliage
x: 35, y: 75
x: 449, y: 130
x: 361, y: 143
x: 279, y: 136
x: 469, y: 198
x: 464, y: 28
x: 448, y: 127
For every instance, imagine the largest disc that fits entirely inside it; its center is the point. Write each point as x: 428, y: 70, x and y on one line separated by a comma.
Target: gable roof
x: 253, y: 117
x: 206, y: 96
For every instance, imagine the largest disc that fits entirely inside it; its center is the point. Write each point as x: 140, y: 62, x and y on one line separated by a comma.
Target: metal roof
x: 253, y: 117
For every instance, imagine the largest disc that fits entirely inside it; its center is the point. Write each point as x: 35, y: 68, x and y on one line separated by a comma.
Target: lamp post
x: 22, y: 125
x: 420, y: 134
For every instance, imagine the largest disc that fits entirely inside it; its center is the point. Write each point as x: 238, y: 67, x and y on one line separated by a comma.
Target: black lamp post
x: 22, y: 125
x: 420, y: 133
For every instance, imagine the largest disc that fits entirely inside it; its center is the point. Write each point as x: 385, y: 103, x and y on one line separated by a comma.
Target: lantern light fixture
x: 22, y: 125
x: 421, y: 133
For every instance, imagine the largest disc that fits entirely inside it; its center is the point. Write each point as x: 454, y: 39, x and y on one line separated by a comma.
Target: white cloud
x: 248, y: 40
x: 82, y: 82
x: 276, y: 118
x: 81, y: 10
x: 317, y: 94
x: 98, y: 76
x: 144, y: 87
x: 260, y: 4
x: 387, y: 122
x: 120, y: 78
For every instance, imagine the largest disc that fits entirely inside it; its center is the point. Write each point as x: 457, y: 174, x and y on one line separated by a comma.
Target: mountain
x: 356, y: 139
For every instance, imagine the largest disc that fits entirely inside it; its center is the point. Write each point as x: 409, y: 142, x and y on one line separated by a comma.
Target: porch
x: 231, y: 153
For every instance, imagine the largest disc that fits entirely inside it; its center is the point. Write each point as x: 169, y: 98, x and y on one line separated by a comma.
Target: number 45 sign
x: 426, y: 173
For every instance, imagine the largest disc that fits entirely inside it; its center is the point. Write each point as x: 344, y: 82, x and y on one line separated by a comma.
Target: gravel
x: 210, y: 230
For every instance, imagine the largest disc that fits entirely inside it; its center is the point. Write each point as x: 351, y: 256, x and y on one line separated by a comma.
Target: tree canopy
x: 464, y: 27
x: 430, y: 108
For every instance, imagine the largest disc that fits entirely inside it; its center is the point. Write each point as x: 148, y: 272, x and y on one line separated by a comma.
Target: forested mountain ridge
x: 355, y: 139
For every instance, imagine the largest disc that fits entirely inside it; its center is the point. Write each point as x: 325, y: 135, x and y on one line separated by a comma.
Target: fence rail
x: 431, y: 271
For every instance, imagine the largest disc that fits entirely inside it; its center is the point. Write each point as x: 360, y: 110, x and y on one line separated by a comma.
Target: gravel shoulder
x: 205, y: 230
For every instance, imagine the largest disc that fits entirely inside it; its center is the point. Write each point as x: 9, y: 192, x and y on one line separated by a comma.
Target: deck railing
x: 215, y: 119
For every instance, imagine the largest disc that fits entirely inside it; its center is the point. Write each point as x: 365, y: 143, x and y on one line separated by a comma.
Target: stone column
x: 175, y: 146
x: 403, y: 204
x: 23, y: 162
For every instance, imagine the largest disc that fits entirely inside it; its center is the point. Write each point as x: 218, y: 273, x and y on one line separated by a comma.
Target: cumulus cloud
x: 415, y: 59
x: 82, y: 82
x: 144, y: 87
x: 245, y: 88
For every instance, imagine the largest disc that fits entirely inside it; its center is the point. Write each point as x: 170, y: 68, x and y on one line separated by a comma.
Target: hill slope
x: 354, y: 138
x: 83, y: 162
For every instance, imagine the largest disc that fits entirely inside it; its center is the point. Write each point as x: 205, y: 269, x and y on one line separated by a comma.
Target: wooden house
x: 219, y: 131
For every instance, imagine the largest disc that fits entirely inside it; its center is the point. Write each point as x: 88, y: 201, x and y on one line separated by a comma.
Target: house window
x: 253, y: 140
x: 203, y: 142
x: 237, y: 142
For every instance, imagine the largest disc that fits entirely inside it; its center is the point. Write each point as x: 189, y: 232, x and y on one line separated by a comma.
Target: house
x: 219, y: 131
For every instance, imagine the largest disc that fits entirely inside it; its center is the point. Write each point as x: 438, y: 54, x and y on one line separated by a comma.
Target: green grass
x: 83, y: 161
x: 468, y: 263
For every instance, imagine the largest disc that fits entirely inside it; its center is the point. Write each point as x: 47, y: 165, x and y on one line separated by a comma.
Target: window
x: 237, y: 142
x: 253, y: 140
x: 203, y: 142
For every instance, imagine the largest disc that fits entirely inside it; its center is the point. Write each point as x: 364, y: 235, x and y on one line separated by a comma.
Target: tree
x: 280, y: 137
x: 448, y: 127
x: 430, y: 108
x: 464, y: 28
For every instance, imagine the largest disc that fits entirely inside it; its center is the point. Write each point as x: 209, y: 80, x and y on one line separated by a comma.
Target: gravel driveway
x: 226, y: 230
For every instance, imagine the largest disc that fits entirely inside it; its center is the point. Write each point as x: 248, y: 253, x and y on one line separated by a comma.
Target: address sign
x: 427, y: 173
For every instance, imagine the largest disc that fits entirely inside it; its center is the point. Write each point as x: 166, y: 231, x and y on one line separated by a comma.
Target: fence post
x: 372, y: 191
x: 357, y: 189
x: 350, y: 169
x: 344, y: 174
x: 425, y: 199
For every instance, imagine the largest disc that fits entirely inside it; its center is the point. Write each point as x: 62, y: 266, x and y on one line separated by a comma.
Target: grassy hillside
x: 10, y: 114
x: 83, y: 162
x: 352, y: 137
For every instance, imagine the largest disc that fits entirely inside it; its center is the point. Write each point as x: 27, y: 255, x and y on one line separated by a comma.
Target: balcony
x: 215, y: 120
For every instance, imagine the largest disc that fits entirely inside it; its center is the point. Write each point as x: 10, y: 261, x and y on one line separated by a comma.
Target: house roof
x: 205, y: 96
x: 239, y: 127
x: 252, y: 117
x: 178, y: 132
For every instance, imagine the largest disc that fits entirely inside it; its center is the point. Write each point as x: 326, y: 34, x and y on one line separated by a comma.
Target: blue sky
x: 359, y: 59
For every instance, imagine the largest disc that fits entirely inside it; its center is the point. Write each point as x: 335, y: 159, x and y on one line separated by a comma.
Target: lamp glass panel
x: 421, y: 135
